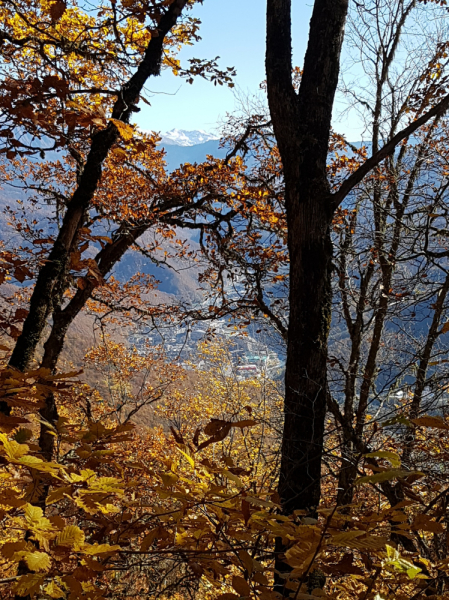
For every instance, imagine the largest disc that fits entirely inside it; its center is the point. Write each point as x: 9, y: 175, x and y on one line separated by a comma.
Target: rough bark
x: 301, y: 125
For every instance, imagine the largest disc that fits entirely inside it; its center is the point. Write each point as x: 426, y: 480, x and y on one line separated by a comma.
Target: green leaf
x: 413, y: 572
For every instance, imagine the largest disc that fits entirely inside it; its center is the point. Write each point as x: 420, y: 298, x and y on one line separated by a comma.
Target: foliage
x: 141, y: 511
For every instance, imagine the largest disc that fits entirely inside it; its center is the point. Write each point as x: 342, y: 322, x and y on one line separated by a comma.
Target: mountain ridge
x: 185, y: 138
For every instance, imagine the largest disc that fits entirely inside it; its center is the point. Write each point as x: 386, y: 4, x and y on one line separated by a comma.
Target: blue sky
x: 235, y: 31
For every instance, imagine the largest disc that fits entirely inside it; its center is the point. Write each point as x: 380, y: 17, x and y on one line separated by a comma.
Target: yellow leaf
x: 70, y: 536
x: 126, y: 131
x: 108, y: 508
x: 120, y: 152
x: 32, y: 462
x: 37, y: 561
x: 13, y: 449
x: 57, y: 494
x: 169, y: 478
x: 358, y: 539
x: 33, y: 513
x: 386, y: 476
x: 188, y: 457
x: 233, y: 478
x: 392, y: 457
x: 428, y: 421
x: 105, y: 484
x: 100, y: 549
x: 343, y: 539
x: 54, y: 591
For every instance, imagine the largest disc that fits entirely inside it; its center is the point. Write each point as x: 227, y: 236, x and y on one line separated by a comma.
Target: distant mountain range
x: 181, y: 137
x: 189, y: 146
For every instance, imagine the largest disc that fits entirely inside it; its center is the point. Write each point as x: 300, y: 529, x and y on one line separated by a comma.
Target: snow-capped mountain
x: 181, y: 137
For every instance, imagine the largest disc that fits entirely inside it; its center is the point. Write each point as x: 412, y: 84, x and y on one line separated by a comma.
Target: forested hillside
x: 224, y: 362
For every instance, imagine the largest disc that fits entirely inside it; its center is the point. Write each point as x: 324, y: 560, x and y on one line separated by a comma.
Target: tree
x: 302, y: 125
x: 135, y: 37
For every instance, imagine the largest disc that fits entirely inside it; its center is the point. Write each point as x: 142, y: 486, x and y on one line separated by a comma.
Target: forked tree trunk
x: 301, y: 123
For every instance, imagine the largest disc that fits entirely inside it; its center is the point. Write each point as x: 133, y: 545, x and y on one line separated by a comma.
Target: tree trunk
x: 41, y: 303
x: 305, y: 380
x: 302, y: 124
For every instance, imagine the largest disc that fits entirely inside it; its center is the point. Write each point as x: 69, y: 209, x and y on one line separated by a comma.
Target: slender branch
x: 347, y: 186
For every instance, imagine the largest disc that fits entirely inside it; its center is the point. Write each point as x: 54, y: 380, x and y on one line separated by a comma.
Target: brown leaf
x: 217, y: 437
x: 428, y: 421
x: 425, y: 523
x: 241, y: 586
x: 345, y: 566
x: 246, y: 558
x: 196, y: 437
x: 246, y: 511
x: 148, y: 540
x: 20, y: 314
x: 57, y: 9
x: 214, y: 426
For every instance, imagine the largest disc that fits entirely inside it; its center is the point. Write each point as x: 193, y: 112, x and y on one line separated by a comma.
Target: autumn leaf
x: 392, y: 457
x: 57, y: 9
x: 429, y: 421
x: 126, y: 131
x: 70, y: 536
x: 37, y: 561
x: 386, y: 476
x: 28, y: 584
x: 13, y: 449
x: 54, y: 591
x: 148, y: 540
x: 241, y: 586
x: 425, y: 523
x: 100, y: 549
